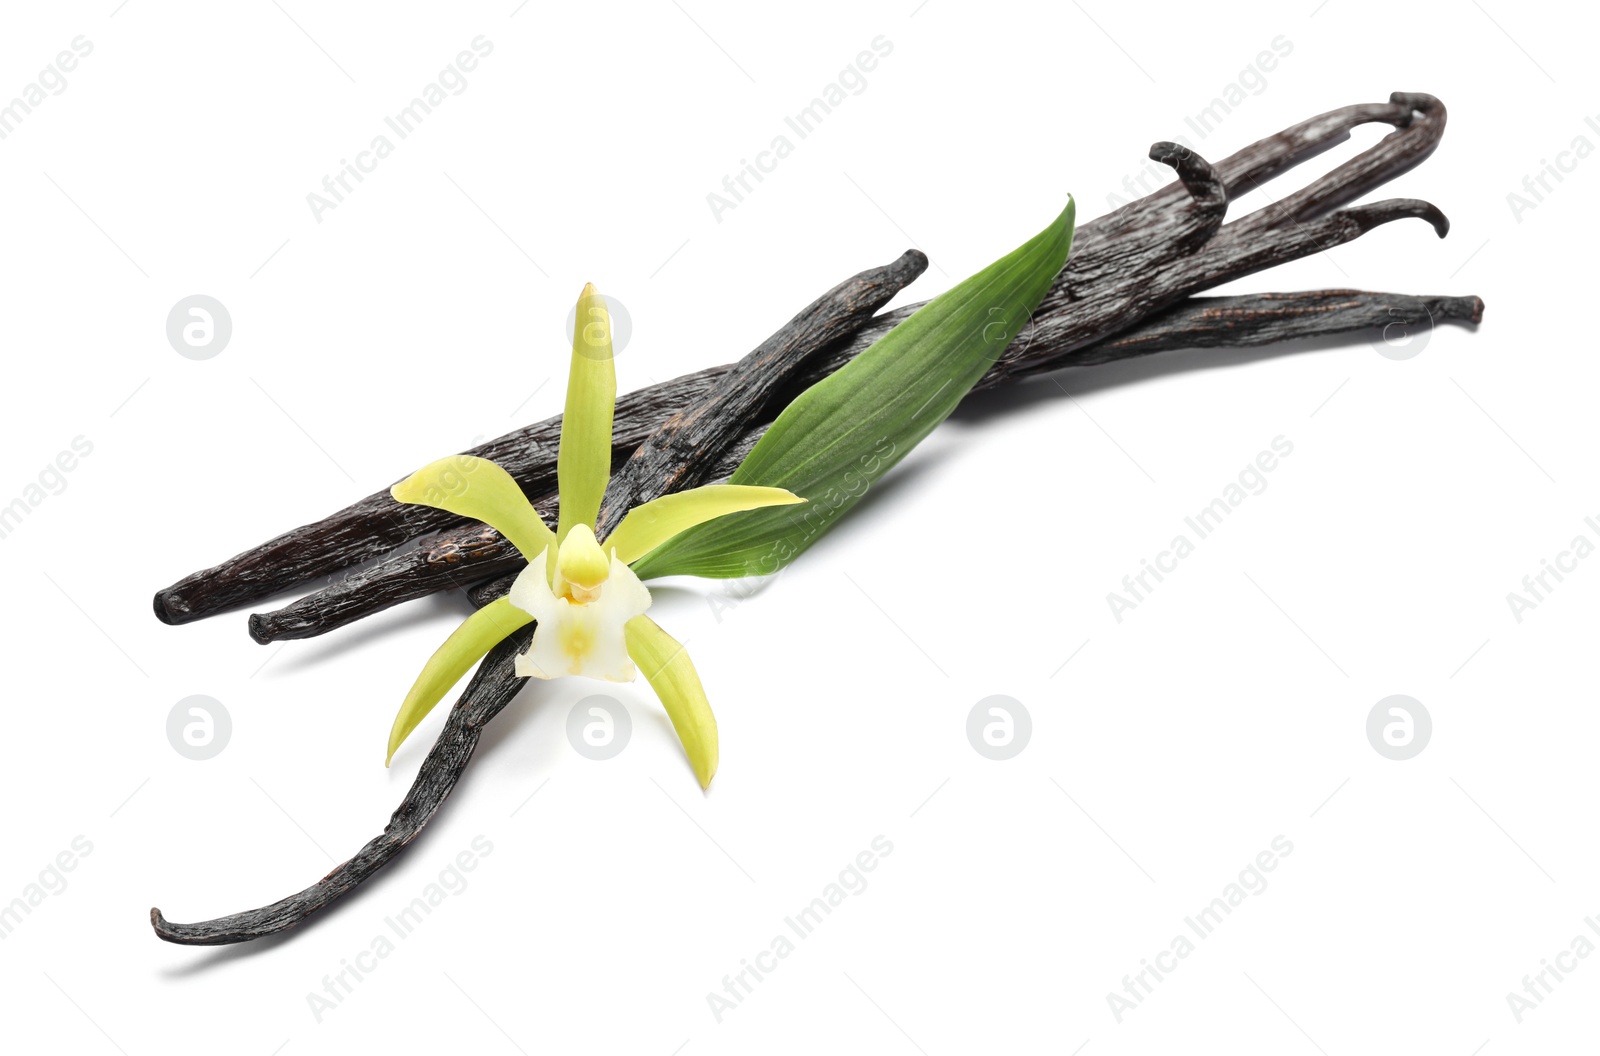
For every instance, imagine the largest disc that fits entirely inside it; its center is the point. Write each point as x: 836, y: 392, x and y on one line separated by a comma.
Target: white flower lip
x: 577, y: 637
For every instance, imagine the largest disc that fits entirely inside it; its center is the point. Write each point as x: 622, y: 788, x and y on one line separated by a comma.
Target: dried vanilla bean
x: 491, y: 689
x: 444, y: 561
x: 1258, y: 319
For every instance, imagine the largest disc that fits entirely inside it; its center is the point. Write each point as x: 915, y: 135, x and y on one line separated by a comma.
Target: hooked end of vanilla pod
x: 1197, y: 175
x: 1418, y: 102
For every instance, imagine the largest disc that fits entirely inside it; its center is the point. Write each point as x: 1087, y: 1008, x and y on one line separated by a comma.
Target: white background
x: 426, y: 311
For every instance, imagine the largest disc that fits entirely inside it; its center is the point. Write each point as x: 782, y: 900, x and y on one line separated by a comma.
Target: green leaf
x: 843, y: 433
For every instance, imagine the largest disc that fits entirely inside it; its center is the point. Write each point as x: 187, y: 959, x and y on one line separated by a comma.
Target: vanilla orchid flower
x: 587, y: 603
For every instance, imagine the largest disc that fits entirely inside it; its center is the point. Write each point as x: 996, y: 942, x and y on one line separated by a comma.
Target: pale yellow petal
x: 477, y: 488
x: 668, y: 669
x: 583, y: 463
x: 479, y: 633
x: 649, y: 525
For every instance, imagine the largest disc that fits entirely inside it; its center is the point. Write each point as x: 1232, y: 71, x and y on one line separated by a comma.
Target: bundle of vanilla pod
x: 1130, y: 287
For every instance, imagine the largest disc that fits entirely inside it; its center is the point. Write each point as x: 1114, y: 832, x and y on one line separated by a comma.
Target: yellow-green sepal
x: 479, y: 633
x: 670, y: 672
x: 477, y: 488
x: 583, y: 462
x: 649, y: 525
